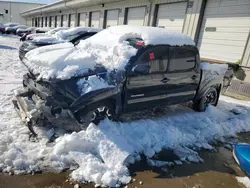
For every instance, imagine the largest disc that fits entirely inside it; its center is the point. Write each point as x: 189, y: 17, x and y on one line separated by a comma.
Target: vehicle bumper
x: 35, y: 111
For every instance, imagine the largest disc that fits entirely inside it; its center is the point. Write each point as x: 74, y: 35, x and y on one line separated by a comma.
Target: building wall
x: 14, y: 10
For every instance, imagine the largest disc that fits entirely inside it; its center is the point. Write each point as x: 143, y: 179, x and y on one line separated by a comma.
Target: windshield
x: 71, y: 37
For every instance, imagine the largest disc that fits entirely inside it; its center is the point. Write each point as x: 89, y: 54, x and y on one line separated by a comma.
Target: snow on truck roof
x: 108, y: 48
x: 150, y: 35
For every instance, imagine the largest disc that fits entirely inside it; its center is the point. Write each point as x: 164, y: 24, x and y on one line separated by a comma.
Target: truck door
x: 183, y: 74
x: 147, y: 89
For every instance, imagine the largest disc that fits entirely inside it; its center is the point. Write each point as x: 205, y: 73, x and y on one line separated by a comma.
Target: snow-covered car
x: 118, y: 70
x: 43, y: 29
x: 53, y: 31
x: 43, y: 32
x: 73, y: 35
x: 21, y: 31
x: 2, y: 28
x: 12, y: 30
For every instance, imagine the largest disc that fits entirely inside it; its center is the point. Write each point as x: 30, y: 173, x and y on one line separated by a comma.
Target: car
x: 12, y: 30
x: 53, y: 31
x: 43, y: 29
x: 20, y: 32
x: 2, y: 28
x: 118, y: 70
x: 73, y: 35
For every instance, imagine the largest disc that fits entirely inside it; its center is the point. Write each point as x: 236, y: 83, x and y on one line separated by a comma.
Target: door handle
x: 194, y: 77
x: 164, y: 80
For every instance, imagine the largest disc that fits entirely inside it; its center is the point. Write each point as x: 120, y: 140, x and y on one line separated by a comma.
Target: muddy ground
x: 218, y: 170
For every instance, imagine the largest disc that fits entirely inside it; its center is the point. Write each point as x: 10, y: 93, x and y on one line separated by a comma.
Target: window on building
x: 46, y: 22
x: 182, y: 59
x: 6, y: 11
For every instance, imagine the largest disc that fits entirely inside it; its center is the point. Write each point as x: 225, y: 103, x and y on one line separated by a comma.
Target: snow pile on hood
x: 91, y: 84
x: 33, y: 35
x: 60, y: 34
x: 53, y: 31
x: 108, y: 48
x: 64, y: 33
x: 46, y: 39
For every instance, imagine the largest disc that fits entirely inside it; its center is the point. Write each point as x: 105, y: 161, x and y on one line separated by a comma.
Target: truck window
x: 156, y: 57
x: 182, y: 59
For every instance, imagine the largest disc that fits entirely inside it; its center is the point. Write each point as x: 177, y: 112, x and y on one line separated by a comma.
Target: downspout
x: 198, y: 30
x: 149, y: 11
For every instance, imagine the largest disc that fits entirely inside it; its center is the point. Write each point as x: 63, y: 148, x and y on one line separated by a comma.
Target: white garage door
x: 65, y: 20
x: 52, y: 21
x: 58, y: 21
x: 224, y: 30
x: 72, y: 20
x: 171, y: 16
x: 112, y: 18
x: 82, y: 19
x: 136, y: 16
x: 95, y: 19
x: 40, y: 22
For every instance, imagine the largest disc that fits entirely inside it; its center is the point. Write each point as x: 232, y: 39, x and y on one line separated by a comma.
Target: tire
x: 95, y: 113
x: 210, y: 97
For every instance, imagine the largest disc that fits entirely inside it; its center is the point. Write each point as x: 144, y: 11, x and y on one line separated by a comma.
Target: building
x: 220, y: 28
x: 10, y: 11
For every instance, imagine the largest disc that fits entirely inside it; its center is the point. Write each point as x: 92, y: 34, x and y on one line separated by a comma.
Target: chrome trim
x: 180, y: 94
x: 139, y: 95
x: 132, y: 101
x: 158, y: 97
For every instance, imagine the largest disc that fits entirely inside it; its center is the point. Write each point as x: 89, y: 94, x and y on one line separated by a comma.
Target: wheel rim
x: 210, y: 98
x: 95, y: 116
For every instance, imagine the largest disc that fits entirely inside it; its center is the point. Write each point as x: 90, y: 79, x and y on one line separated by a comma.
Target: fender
x: 206, y: 83
x: 93, y: 97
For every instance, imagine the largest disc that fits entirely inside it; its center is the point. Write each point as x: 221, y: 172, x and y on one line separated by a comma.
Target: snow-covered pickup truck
x: 118, y: 70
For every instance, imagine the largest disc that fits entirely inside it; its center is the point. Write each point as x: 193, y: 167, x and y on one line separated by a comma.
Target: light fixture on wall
x: 102, y: 5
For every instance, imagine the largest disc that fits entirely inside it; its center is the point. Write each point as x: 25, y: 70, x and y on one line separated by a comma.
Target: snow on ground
x: 102, y: 154
x: 244, y: 180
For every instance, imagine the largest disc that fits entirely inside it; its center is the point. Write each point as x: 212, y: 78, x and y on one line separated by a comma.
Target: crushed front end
x: 42, y: 102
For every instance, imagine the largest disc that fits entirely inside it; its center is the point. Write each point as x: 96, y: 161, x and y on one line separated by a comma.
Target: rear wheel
x: 96, y: 113
x: 209, y: 98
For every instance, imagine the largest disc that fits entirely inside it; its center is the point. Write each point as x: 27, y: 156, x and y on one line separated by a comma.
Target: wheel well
x: 86, y: 108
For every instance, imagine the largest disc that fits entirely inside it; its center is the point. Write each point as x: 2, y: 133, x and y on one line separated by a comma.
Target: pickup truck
x: 164, y: 69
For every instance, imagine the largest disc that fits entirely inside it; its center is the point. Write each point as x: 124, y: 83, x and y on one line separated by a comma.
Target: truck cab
x: 162, y: 75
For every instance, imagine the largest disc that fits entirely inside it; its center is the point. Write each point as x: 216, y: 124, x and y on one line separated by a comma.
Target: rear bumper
x: 34, y: 110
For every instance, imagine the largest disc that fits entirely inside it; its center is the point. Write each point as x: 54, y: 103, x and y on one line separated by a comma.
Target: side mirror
x: 141, y: 69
